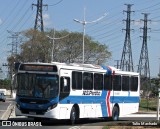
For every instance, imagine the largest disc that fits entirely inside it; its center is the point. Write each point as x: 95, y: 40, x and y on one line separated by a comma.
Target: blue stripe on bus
x: 124, y: 99
x: 109, y: 71
x: 100, y: 100
x: 103, y: 104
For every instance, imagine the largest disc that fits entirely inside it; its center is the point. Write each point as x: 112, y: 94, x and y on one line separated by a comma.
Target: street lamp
x: 84, y: 22
x: 53, y: 38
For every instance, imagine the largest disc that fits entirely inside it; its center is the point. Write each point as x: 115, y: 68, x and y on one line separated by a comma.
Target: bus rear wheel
x: 115, y: 113
x: 73, y: 116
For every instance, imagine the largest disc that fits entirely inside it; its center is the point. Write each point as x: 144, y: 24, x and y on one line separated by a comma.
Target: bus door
x: 64, y: 83
x: 64, y: 92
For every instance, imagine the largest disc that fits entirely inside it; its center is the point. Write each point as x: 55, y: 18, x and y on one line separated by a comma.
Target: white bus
x: 74, y: 91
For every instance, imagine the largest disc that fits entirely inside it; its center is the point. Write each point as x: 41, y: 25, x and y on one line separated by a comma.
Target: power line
x: 148, y: 7
x: 56, y: 3
x: 11, y: 22
x: 19, y: 21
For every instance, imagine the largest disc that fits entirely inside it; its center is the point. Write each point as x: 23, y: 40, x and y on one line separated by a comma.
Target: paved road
x: 84, y: 123
x: 146, y: 116
x: 94, y: 122
x: 4, y: 106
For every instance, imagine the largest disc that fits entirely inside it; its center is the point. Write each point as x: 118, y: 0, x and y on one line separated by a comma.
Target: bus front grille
x: 37, y: 101
x: 33, y: 112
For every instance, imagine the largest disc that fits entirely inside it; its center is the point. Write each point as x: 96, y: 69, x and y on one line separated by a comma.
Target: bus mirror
x: 65, y: 82
x: 16, y: 65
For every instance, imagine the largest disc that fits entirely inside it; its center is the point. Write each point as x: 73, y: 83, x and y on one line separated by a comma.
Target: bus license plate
x: 32, y: 113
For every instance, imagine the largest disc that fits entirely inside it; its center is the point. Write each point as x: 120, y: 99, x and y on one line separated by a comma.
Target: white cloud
x: 137, y: 22
x: 46, y: 16
x: 46, y: 20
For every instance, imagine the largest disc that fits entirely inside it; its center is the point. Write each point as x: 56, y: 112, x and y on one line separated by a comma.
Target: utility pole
x: 117, y: 64
x: 39, y: 17
x: 84, y: 22
x: 159, y: 68
x: 143, y: 67
x: 1, y: 72
x: 126, y: 59
x: 53, y: 38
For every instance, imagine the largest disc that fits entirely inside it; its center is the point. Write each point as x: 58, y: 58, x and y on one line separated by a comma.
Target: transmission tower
x: 126, y: 59
x: 14, y: 51
x: 39, y: 18
x: 15, y: 41
x: 143, y: 67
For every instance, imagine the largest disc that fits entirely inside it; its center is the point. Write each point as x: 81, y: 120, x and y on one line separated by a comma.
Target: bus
x: 73, y: 91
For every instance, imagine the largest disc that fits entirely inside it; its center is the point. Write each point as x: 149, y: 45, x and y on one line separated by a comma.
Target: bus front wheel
x: 73, y: 115
x: 115, y: 113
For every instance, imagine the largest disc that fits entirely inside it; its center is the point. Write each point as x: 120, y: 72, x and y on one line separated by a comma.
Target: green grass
x: 105, y: 127
x: 151, y: 105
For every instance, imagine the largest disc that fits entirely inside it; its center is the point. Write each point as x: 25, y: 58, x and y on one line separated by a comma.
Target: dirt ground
x: 133, y: 125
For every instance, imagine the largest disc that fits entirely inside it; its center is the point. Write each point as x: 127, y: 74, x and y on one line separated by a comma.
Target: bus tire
x: 73, y: 115
x: 115, y: 113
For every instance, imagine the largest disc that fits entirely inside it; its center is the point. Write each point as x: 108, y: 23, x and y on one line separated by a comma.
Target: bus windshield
x: 37, y: 85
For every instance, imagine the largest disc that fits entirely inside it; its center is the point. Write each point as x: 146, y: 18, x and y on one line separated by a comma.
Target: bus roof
x: 72, y: 66
x: 88, y: 67
x: 119, y: 71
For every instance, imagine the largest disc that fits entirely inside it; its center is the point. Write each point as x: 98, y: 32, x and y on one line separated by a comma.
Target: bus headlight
x: 51, y: 107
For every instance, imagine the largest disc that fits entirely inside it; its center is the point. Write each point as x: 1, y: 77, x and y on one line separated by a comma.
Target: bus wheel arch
x: 74, y: 114
x: 115, y: 112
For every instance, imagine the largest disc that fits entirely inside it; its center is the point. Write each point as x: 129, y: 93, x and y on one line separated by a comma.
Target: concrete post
x: 158, y: 104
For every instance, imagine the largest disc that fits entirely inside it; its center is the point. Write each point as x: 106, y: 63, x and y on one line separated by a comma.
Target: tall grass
x: 148, y: 105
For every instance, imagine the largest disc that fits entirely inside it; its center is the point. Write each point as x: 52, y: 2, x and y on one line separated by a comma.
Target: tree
x: 37, y: 47
x: 5, y: 84
x: 155, y: 85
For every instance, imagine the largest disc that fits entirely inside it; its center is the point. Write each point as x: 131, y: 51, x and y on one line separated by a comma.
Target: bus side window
x: 76, y: 80
x: 134, y: 83
x: 98, y: 81
x: 65, y: 84
x: 125, y: 83
x: 87, y: 81
x: 107, y: 82
x: 117, y: 82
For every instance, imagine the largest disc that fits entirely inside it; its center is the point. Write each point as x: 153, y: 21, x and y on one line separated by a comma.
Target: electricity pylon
x: 143, y: 67
x: 126, y: 59
x: 39, y: 17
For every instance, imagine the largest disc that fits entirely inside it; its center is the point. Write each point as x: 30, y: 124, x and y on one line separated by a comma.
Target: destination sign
x: 33, y: 67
